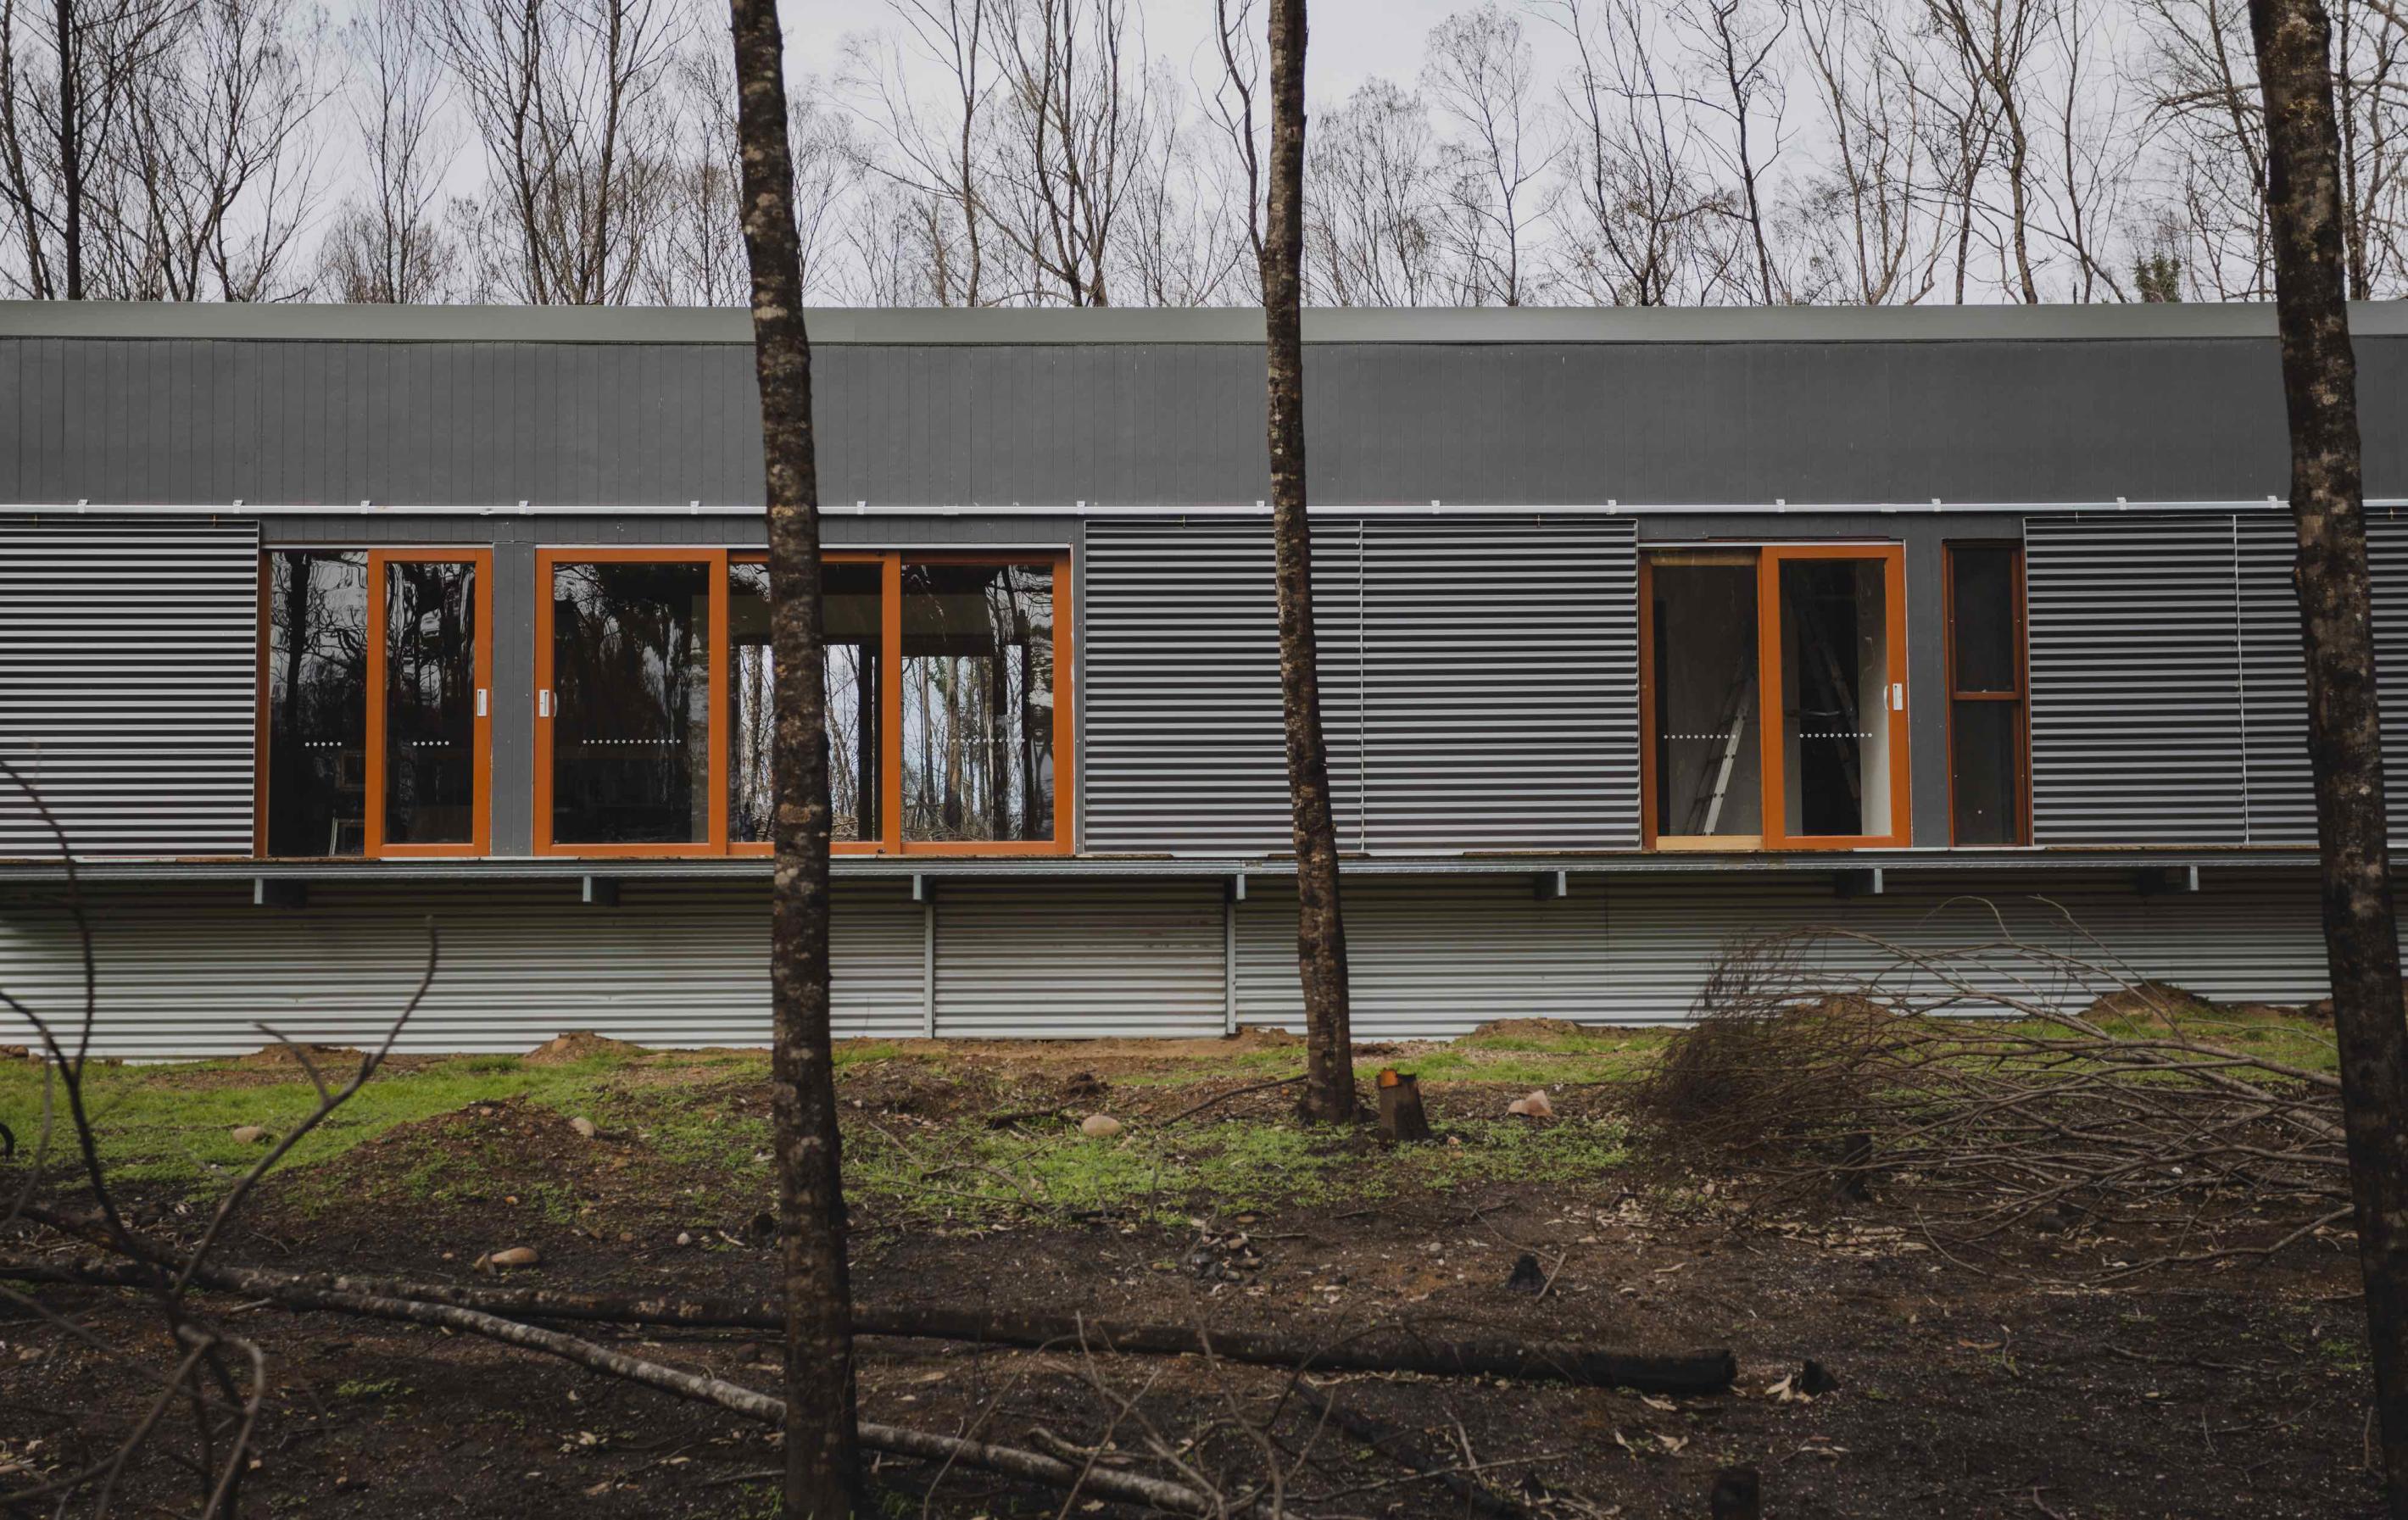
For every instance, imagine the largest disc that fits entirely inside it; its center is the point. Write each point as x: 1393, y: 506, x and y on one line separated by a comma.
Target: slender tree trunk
x: 1321, y: 933
x: 822, y: 1454
x: 2344, y: 729
x: 71, y: 146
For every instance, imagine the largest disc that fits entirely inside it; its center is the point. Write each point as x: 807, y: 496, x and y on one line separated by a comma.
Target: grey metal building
x: 1641, y: 631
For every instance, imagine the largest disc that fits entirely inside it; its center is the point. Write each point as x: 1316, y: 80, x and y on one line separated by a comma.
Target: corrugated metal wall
x: 1080, y: 958
x: 1479, y: 684
x: 2169, y: 693
x: 1430, y: 959
x: 192, y: 971
x: 1500, y: 684
x: 129, y: 681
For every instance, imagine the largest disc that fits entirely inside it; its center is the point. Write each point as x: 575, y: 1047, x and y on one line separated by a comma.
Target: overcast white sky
x: 1351, y: 40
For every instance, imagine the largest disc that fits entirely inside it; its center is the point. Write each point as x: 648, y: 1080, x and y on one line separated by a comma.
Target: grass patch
x: 154, y: 1125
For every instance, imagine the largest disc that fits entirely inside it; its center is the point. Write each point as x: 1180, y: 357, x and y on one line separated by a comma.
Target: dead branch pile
x: 2079, y: 1094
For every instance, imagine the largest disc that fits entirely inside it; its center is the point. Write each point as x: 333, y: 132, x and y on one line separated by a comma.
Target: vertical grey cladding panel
x: 2136, y: 680
x: 1500, y: 684
x: 193, y: 970
x: 129, y: 684
x: 1070, y: 959
x: 1184, y: 747
x: 2280, y: 791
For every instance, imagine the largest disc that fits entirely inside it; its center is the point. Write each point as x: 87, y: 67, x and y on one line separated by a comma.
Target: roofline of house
x: 1062, y: 327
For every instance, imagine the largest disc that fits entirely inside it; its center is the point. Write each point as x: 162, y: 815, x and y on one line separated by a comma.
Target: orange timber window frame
x: 890, y: 704
x: 1771, y: 749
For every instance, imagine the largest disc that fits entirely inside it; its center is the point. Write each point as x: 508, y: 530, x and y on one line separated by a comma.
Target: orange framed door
x: 713, y: 775
x: 419, y: 801
x: 1831, y: 633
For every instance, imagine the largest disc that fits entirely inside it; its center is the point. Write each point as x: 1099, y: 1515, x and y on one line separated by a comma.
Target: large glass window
x: 1709, y: 754
x: 854, y: 624
x: 978, y: 702
x: 317, y: 702
x: 630, y: 698
x: 947, y: 721
x: 1835, y: 695
x: 1987, y: 713
x: 432, y: 695
x: 376, y: 742
x: 1774, y: 695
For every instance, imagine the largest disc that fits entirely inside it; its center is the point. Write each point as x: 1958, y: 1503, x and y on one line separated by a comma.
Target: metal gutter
x: 1160, y: 867
x: 1040, y: 327
x: 1776, y: 507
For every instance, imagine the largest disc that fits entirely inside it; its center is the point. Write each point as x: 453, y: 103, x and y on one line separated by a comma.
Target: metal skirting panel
x: 1061, y: 961
x: 1500, y: 684
x: 1429, y: 960
x: 1185, y: 742
x: 193, y: 971
x: 129, y: 684
x: 1439, y: 959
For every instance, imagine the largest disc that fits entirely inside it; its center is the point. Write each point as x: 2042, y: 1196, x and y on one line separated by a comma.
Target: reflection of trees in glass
x: 631, y: 667
x: 430, y: 701
x: 317, y: 702
x: 849, y: 607
x: 978, y: 715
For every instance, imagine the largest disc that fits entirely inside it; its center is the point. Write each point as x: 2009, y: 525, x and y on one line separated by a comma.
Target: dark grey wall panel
x: 129, y: 670
x: 2136, y: 680
x: 203, y: 420
x: 1500, y: 684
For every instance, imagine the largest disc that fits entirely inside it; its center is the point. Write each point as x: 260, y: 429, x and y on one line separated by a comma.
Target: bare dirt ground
x: 1964, y: 1388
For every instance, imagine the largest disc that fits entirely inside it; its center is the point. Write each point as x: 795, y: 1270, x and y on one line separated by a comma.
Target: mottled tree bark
x: 1321, y: 932
x: 2344, y: 731
x: 822, y: 1463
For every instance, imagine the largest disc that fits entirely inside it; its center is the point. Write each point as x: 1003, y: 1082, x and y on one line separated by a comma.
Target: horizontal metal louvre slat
x: 129, y: 684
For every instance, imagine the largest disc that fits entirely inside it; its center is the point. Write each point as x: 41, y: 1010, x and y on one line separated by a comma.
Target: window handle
x: 480, y: 701
x: 1898, y: 697
x: 543, y: 703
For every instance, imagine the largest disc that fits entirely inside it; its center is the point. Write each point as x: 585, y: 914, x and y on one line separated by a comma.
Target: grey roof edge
x: 1035, y: 328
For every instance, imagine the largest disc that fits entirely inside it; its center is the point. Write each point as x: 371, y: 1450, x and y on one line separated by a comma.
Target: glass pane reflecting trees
x: 1708, y: 754
x: 978, y: 702
x: 317, y: 702
x: 631, y: 688
x: 1835, y: 676
x: 852, y: 610
x: 430, y: 696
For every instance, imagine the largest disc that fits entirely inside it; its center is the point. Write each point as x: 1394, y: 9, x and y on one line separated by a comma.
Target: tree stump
x: 1401, y: 1118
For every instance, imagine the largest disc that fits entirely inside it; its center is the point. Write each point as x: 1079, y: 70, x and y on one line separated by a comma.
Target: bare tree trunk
x: 822, y: 1438
x: 2345, y: 730
x: 1321, y: 933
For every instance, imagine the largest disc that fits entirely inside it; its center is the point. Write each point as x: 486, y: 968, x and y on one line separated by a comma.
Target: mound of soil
x: 1527, y: 1029
x: 574, y: 1045
x: 280, y: 1056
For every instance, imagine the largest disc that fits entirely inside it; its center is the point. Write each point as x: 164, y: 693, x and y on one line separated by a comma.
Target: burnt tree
x: 2344, y: 734
x: 1320, y: 930
x: 822, y: 1438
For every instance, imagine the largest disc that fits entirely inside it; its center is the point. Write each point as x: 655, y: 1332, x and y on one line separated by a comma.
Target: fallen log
x: 1389, y: 1350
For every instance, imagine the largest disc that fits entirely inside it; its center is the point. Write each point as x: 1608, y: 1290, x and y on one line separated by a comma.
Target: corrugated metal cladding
x: 1071, y: 959
x: 129, y: 684
x: 1479, y: 684
x: 2168, y: 689
x: 1432, y: 960
x: 187, y: 418
x: 1429, y: 960
x: 193, y: 970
